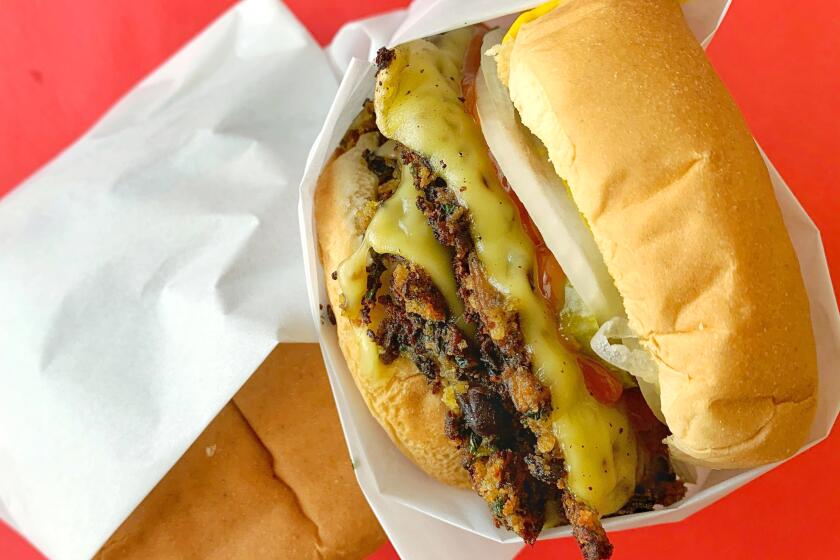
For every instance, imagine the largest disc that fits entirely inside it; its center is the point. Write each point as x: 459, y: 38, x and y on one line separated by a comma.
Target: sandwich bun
x: 663, y: 168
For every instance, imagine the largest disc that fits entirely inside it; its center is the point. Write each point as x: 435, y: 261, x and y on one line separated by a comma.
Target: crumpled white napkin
x: 148, y: 270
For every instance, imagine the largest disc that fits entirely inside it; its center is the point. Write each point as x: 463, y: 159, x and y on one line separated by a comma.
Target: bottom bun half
x: 398, y: 396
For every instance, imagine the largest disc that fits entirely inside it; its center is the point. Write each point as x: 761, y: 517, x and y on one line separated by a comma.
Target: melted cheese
x: 377, y: 373
x: 399, y: 228
x: 529, y: 16
x: 417, y: 103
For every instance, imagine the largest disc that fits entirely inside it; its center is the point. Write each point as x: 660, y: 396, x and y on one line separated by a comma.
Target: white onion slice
x: 629, y: 355
x: 542, y: 192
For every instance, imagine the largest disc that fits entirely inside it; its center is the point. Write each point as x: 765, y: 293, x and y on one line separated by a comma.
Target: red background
x: 64, y: 62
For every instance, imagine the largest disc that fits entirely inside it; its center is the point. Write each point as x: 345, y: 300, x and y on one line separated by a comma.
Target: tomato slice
x: 641, y: 416
x: 472, y: 62
x: 600, y: 383
x: 649, y: 430
x: 551, y: 277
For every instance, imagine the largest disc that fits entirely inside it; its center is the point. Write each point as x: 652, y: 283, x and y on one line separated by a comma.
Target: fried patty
x: 499, y: 410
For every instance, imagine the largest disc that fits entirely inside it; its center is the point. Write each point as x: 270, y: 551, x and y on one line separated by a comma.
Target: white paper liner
x: 383, y: 471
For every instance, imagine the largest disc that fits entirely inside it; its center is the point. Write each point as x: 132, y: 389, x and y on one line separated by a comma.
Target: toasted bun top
x: 270, y: 477
x: 663, y: 168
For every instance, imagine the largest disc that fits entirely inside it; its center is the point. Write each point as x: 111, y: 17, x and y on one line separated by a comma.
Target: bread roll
x: 663, y: 168
x: 268, y: 478
x: 399, y: 396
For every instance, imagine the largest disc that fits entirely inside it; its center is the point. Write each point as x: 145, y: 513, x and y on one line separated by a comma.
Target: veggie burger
x: 558, y: 269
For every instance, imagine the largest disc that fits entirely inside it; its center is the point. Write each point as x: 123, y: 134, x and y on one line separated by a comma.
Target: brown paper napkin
x: 270, y: 477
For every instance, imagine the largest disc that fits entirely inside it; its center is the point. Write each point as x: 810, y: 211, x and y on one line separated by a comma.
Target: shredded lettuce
x: 575, y: 319
x: 577, y: 322
x: 617, y: 344
x: 627, y: 353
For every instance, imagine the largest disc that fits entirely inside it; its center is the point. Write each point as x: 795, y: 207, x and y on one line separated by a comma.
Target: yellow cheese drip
x: 370, y: 365
x: 417, y: 103
x: 399, y: 228
x: 532, y: 14
x: 529, y: 16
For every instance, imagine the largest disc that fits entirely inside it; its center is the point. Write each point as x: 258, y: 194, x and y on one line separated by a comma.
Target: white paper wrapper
x: 148, y: 270
x: 384, y: 472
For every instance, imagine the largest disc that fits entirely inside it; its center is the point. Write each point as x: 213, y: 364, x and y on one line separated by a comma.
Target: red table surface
x: 64, y: 62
